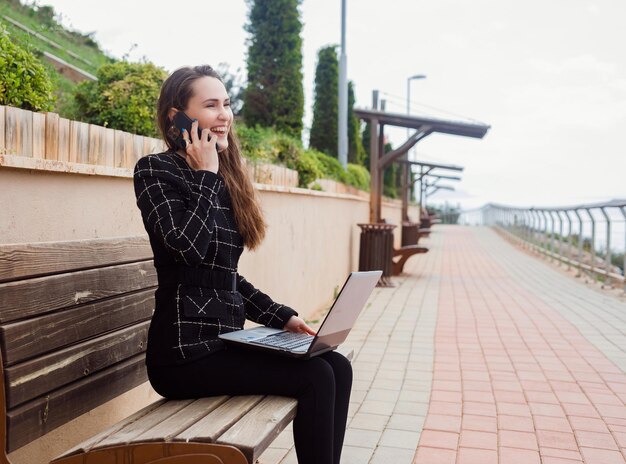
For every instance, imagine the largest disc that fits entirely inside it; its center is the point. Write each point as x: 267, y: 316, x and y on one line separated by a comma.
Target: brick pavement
x: 483, y: 354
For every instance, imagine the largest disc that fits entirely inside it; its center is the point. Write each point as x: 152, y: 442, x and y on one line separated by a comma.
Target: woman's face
x: 210, y: 105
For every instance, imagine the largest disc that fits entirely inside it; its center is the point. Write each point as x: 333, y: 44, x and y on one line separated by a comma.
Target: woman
x: 199, y: 209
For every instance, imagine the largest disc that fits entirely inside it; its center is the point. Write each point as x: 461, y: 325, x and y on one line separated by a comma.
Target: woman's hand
x: 297, y: 325
x: 201, y: 152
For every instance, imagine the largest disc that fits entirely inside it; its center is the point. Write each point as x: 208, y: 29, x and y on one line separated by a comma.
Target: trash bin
x: 376, y: 250
x: 410, y: 233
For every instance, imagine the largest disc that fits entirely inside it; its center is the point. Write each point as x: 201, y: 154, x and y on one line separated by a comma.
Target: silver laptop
x: 333, y: 331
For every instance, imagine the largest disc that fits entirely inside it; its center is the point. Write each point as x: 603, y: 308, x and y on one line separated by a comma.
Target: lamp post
x: 342, y: 135
x: 405, y: 168
x: 408, y: 95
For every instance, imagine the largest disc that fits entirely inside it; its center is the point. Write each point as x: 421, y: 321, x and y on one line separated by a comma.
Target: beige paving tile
x: 356, y: 455
x: 406, y: 422
x: 400, y: 439
x: 377, y: 407
x: 272, y: 456
x: 382, y: 395
x: 362, y: 420
x: 362, y: 438
x: 387, y: 455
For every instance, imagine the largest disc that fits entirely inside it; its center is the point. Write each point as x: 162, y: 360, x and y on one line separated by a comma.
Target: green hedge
x: 124, y: 97
x: 24, y: 81
x: 267, y: 145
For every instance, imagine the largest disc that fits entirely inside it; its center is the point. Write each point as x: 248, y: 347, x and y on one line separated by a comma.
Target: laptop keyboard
x: 287, y: 340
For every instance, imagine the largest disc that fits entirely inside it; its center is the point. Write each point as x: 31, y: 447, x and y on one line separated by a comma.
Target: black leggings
x: 321, y: 385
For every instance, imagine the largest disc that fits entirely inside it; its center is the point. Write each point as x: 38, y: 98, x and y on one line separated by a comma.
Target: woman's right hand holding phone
x: 201, y: 152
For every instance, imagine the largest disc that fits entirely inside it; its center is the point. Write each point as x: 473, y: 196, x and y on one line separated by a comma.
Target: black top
x: 189, y: 219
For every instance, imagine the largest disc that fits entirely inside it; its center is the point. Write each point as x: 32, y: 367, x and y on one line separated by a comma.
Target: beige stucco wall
x: 311, y: 245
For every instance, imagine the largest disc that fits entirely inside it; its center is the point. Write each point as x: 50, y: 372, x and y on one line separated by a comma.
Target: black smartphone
x: 182, y: 121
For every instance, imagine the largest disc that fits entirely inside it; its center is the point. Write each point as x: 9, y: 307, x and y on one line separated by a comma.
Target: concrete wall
x: 311, y: 245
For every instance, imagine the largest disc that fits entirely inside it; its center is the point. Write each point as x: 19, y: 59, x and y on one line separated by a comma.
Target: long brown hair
x: 175, y: 93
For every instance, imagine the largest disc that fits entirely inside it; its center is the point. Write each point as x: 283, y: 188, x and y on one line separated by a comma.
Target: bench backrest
x: 73, y: 327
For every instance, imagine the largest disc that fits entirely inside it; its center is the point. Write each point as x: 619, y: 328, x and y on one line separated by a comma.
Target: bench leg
x: 398, y: 266
x: 160, y: 453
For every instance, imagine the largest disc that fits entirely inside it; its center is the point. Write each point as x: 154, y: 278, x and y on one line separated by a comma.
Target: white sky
x: 548, y: 76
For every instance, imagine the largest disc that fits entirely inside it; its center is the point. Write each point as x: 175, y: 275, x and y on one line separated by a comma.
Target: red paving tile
x: 426, y: 455
x: 561, y: 440
x: 518, y: 423
x: 560, y: 453
x: 601, y: 456
x: 528, y: 382
x: 596, y: 440
x: 514, y: 439
x: 547, y: 460
x: 480, y: 423
x: 439, y: 439
x: 518, y: 456
x: 475, y: 439
x: 477, y: 456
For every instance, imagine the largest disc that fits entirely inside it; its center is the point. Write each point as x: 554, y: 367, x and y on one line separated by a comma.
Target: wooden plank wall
x: 47, y: 136
x: 50, y: 137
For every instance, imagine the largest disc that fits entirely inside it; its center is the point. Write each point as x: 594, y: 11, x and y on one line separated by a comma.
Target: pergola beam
x: 423, y: 127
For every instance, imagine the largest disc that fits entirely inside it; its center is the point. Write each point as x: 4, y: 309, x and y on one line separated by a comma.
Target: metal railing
x: 590, y: 237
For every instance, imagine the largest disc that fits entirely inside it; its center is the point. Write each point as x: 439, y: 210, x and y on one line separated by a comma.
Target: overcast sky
x: 548, y: 76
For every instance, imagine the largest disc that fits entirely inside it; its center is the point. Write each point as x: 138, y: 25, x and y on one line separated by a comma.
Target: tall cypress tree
x: 274, y: 96
x: 323, y: 135
x: 356, y: 152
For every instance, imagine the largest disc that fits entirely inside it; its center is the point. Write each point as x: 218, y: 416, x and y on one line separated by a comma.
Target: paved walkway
x: 485, y: 354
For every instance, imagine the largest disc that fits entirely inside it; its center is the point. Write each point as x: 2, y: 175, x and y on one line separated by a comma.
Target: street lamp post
x: 342, y: 135
x: 405, y: 167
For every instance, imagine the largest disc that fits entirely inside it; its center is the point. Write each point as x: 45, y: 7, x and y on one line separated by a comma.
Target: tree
x: 365, y: 141
x: 234, y: 86
x: 274, y: 96
x: 323, y: 135
x: 24, y: 81
x: 356, y: 152
x: 124, y: 97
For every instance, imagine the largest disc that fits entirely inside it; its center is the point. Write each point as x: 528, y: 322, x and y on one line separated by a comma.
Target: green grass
x: 69, y: 41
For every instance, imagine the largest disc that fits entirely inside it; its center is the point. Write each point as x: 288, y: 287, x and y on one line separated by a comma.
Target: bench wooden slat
x: 38, y: 417
x: 129, y: 433
x: 19, y: 261
x: 214, y: 424
x: 26, y: 339
x: 45, y: 294
x: 39, y: 376
x: 257, y: 429
x: 182, y: 420
x: 93, y: 441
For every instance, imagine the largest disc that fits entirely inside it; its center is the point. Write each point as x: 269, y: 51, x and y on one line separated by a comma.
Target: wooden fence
x: 46, y: 136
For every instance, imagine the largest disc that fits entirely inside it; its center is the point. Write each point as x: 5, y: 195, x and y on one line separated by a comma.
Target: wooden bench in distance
x: 73, y: 329
x: 404, y: 254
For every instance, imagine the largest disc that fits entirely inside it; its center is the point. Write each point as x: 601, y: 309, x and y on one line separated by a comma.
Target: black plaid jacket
x: 190, y: 222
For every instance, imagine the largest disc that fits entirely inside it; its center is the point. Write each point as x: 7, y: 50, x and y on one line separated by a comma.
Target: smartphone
x: 182, y: 121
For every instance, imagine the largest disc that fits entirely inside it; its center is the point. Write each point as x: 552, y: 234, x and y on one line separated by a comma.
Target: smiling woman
x: 200, y: 210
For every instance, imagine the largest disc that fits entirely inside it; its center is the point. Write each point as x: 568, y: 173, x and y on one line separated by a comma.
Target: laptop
x: 334, y: 329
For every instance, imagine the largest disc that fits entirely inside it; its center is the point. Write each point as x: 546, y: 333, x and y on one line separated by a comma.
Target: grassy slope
x: 64, y: 87
x: 57, y: 34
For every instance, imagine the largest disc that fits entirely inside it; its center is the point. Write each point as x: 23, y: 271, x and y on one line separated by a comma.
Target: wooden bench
x: 411, y: 233
x: 73, y: 329
x: 403, y: 254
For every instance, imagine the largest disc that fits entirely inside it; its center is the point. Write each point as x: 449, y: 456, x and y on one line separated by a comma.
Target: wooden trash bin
x: 376, y: 250
x: 410, y: 233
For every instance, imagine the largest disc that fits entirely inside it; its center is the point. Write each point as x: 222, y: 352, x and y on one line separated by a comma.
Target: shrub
x: 24, y: 81
x: 267, y: 145
x: 124, y: 97
x: 309, y: 168
x: 358, y: 177
x: 332, y: 167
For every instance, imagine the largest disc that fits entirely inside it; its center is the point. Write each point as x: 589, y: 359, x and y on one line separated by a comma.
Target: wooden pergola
x: 423, y: 128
